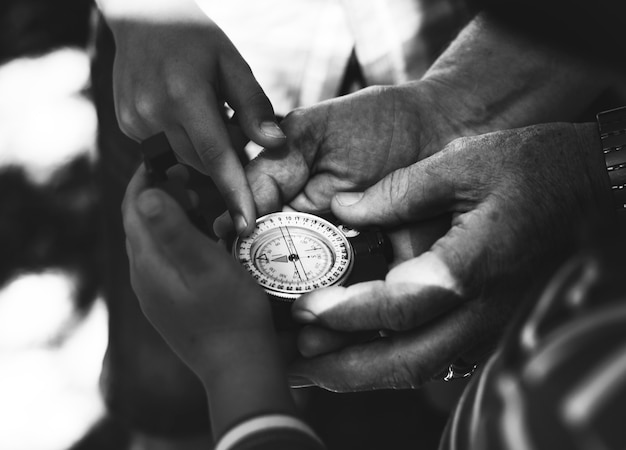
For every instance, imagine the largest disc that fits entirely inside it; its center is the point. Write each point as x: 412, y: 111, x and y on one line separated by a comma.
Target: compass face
x: 291, y: 253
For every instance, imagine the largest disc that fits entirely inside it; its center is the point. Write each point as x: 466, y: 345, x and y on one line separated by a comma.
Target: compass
x: 292, y: 253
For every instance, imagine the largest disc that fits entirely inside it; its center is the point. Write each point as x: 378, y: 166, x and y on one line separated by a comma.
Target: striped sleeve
x: 276, y: 432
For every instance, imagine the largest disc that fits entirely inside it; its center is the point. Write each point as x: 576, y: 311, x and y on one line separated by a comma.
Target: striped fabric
x: 559, y: 380
x: 272, y: 432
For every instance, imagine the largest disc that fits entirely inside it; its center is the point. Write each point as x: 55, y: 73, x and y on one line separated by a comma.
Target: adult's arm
x: 592, y: 29
x: 493, y: 77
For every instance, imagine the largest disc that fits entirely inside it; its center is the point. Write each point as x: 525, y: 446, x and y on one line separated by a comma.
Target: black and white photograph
x: 312, y: 225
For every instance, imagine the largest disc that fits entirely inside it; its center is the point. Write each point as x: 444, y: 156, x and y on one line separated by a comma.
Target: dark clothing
x: 592, y: 29
x: 558, y: 378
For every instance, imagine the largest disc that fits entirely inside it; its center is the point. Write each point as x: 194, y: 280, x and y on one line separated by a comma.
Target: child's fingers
x: 174, y: 236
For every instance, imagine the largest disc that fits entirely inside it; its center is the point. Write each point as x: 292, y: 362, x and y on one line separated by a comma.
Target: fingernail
x: 240, y: 224
x: 296, y: 381
x: 303, y: 315
x: 271, y: 129
x: 348, y: 198
x: 149, y: 204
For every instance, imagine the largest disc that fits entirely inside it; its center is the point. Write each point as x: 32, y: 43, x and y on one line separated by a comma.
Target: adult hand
x: 348, y: 144
x: 174, y: 69
x: 193, y: 292
x: 517, y: 198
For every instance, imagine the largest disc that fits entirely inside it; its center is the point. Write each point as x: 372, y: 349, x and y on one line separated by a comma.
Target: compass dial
x: 292, y: 253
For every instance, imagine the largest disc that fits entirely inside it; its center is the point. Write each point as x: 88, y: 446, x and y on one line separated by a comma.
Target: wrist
x: 244, y: 376
x: 445, y: 114
x: 227, y: 350
x: 491, y: 78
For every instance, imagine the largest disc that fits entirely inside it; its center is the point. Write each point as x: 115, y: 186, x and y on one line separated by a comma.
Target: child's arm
x: 212, y: 314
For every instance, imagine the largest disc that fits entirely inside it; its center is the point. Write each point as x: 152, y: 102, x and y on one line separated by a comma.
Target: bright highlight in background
x: 48, y: 386
x: 45, y: 120
x: 49, y: 391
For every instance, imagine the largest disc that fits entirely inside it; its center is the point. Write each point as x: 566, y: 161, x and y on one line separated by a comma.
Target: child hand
x: 193, y: 292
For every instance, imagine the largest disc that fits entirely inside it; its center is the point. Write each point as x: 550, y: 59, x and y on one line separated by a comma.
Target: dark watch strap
x: 612, y: 127
x: 372, y: 251
x: 372, y: 254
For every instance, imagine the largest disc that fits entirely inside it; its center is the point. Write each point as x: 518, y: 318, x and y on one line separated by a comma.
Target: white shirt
x: 298, y: 49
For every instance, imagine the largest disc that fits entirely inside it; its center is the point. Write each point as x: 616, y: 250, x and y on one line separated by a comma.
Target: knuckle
x: 127, y: 120
x: 294, y: 121
x: 304, y: 128
x: 398, y: 189
x: 462, y: 143
x: 393, y: 314
x: 257, y: 99
x: 178, y: 86
x: 146, y: 105
x: 375, y: 90
x: 403, y: 373
x: 210, y: 155
x: 169, y: 233
x: 455, y: 258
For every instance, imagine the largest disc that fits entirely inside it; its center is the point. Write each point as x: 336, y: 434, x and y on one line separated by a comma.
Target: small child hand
x: 196, y: 295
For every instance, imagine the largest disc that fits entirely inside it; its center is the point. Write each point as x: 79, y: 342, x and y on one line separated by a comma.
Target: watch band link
x: 612, y: 128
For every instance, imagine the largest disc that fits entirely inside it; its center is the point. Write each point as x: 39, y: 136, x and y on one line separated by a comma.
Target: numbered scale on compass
x: 292, y: 253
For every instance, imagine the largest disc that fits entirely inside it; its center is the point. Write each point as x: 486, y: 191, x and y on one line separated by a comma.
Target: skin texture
x: 351, y: 142
x: 491, y: 186
x: 516, y: 198
x: 174, y: 69
x: 208, y: 310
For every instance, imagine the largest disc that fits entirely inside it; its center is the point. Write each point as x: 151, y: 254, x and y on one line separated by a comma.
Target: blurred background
x: 52, y: 322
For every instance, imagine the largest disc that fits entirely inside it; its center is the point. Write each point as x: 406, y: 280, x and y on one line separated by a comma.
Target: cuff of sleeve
x: 263, y: 423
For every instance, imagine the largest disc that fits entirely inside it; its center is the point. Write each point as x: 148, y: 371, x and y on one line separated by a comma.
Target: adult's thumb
x: 408, y: 194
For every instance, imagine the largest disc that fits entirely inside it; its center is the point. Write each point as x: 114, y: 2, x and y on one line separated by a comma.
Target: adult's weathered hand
x: 476, y: 86
x: 517, y: 199
x: 348, y: 144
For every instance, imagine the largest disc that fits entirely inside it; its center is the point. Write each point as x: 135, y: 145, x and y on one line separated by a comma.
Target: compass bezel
x: 320, y: 228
